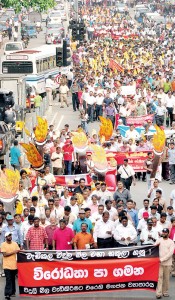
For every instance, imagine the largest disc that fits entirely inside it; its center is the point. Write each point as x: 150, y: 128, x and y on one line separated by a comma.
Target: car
x: 10, y: 12
x: 7, y: 137
x: 3, y: 29
x: 44, y: 17
x: 57, y: 26
x: 54, y: 16
x: 4, y: 18
x: 29, y: 29
x: 54, y: 33
x: 59, y: 7
x: 63, y: 15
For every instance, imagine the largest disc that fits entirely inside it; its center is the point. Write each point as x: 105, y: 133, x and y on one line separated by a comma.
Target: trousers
x: 104, y: 243
x: 75, y: 101
x: 172, y: 173
x: 68, y: 167
x: 10, y: 285
x: 63, y: 98
x: 163, y: 280
x: 49, y: 95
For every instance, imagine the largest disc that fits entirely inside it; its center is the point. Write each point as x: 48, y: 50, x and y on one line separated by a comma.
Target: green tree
x: 39, y: 5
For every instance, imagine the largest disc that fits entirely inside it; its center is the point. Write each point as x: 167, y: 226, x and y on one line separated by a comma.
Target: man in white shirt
x: 25, y: 227
x: 57, y: 161
x: 149, y: 234
x: 132, y: 133
x: 143, y: 222
x: 90, y: 101
x: 113, y: 215
x: 73, y: 205
x: 58, y: 209
x: 103, y: 231
x: 99, y: 106
x: 98, y: 215
x: 84, y: 97
x: 63, y: 89
x: 70, y: 76
x: 124, y: 234
x: 172, y: 199
x: 127, y: 174
x: 152, y: 191
x: 49, y: 177
x: 49, y: 89
x: 163, y: 223
x: 105, y: 194
x: 144, y: 209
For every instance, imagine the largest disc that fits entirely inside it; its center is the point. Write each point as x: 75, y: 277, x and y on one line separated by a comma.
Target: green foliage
x: 39, y: 5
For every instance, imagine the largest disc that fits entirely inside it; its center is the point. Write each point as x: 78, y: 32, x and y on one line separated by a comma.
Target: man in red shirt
x: 50, y: 229
x: 63, y: 237
x: 68, y: 151
x: 36, y: 237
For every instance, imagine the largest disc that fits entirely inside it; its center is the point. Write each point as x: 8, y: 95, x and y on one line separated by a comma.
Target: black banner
x: 97, y: 254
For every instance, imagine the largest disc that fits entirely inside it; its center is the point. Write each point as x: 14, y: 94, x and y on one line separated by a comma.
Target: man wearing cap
x: 149, y: 234
x: 77, y: 224
x: 15, y: 231
x: 166, y: 250
x: 127, y: 174
x: 9, y: 250
x: 143, y: 222
x: 171, y: 157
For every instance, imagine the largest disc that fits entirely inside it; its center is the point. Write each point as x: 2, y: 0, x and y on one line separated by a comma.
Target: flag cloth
x: 114, y: 65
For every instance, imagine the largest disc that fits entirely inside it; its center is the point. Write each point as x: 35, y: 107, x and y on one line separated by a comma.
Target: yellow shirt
x: 9, y: 262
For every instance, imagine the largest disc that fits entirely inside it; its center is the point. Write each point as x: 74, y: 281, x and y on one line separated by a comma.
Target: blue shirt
x: 78, y: 222
x: 16, y: 233
x: 134, y: 215
x: 15, y: 153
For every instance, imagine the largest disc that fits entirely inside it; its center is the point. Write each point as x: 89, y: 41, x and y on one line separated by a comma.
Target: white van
x: 12, y: 47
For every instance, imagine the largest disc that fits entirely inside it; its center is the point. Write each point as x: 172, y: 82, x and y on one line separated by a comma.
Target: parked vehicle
x: 7, y: 137
x: 54, y: 16
x: 29, y: 29
x: 3, y: 29
x: 35, y: 17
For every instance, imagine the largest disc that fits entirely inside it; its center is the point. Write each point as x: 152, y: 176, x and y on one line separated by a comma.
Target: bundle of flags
x: 115, y: 66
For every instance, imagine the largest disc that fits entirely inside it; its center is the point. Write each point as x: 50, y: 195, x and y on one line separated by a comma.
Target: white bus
x: 36, y: 64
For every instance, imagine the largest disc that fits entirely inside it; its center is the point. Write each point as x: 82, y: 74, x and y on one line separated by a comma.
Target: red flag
x: 114, y: 65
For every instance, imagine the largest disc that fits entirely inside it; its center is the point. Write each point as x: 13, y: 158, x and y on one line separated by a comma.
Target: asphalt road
x: 59, y: 117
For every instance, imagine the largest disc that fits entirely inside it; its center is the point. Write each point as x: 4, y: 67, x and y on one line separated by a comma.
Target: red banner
x: 115, y: 66
x: 137, y: 121
x: 68, y: 180
x: 46, y: 273
x: 135, y: 159
x: 123, y: 36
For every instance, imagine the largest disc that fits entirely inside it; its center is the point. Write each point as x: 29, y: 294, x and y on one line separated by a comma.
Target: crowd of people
x: 48, y: 216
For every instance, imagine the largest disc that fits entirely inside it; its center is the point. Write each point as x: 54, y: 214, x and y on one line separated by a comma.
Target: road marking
x: 53, y: 120
x: 59, y: 123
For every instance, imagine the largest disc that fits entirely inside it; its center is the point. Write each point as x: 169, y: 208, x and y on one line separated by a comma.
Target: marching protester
x: 166, y: 248
x: 84, y: 198
x: 9, y: 250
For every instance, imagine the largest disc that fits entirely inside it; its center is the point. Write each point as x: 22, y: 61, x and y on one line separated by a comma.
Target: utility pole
x: 76, y: 9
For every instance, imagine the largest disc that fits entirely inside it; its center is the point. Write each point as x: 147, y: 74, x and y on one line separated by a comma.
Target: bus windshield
x: 13, y: 47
